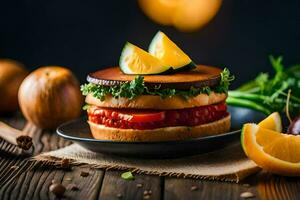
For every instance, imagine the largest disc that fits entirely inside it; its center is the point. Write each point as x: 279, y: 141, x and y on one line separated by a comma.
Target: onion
x: 50, y: 96
x: 294, y: 127
x: 12, y: 74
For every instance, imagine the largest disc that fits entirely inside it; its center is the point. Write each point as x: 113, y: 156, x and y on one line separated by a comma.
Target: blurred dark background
x: 88, y: 35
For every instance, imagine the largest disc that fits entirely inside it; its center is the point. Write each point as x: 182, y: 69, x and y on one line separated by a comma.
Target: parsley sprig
x: 137, y: 87
x: 268, y: 93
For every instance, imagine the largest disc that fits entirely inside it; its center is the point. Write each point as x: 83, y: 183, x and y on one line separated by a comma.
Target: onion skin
x: 50, y: 96
x: 12, y: 73
x: 294, y: 127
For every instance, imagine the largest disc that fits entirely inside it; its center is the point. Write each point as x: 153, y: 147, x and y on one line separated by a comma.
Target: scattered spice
x: 247, y: 195
x: 15, y: 137
x: 139, y: 185
x: 57, y: 189
x: 147, y: 194
x: 84, y: 174
x: 14, y: 167
x: 73, y: 187
x: 65, y: 163
x: 119, y: 195
x: 127, y: 176
x: 194, y: 187
x: 68, y: 179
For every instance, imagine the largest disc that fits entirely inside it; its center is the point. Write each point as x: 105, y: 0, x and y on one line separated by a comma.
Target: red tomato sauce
x: 151, y: 119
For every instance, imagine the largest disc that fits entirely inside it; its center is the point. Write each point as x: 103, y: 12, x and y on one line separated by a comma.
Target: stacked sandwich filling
x: 152, y: 119
x: 116, y: 100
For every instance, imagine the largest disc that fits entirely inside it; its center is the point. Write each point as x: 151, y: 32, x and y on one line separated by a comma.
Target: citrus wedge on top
x: 168, y: 52
x: 135, y: 60
x: 271, y: 150
x: 272, y: 122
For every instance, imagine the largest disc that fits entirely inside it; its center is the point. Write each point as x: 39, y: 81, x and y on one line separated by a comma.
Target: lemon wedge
x: 135, y: 60
x: 168, y: 52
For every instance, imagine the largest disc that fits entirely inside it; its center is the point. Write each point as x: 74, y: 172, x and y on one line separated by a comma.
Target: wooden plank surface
x: 19, y: 181
x: 195, y: 189
x: 142, y: 187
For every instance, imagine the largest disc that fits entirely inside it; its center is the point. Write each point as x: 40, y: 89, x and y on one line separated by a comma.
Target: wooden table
x: 17, y: 182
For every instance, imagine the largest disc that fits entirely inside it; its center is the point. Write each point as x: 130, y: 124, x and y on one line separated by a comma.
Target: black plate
x: 79, y: 132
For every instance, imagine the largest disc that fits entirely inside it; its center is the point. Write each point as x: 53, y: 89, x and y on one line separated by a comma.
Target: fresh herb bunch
x: 137, y: 87
x: 226, y: 78
x: 269, y: 94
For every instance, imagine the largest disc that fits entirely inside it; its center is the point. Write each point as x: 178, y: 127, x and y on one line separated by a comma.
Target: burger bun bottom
x: 102, y: 132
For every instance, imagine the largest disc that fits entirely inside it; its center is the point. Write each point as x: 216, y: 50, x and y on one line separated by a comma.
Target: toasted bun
x: 161, y: 134
x: 156, y: 102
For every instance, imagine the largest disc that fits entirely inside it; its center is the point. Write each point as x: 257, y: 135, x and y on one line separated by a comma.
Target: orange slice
x: 271, y: 150
x: 272, y: 122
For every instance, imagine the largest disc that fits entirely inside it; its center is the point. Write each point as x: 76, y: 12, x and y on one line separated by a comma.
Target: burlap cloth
x: 229, y: 164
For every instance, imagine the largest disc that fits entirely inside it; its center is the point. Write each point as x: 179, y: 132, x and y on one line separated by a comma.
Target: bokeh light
x: 185, y: 15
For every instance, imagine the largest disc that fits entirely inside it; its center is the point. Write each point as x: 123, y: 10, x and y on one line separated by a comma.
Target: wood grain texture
x: 113, y: 185
x: 88, y: 187
x: 183, y: 189
x: 277, y: 187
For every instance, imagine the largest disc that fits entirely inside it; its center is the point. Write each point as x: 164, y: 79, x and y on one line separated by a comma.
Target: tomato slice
x: 145, y: 117
x: 150, y: 119
x: 130, y: 116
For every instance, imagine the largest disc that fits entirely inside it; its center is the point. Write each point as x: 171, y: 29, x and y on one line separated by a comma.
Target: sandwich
x: 146, y: 99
